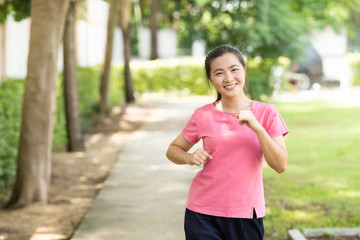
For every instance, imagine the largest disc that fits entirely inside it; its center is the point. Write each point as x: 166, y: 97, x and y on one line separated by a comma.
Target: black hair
x: 218, y: 52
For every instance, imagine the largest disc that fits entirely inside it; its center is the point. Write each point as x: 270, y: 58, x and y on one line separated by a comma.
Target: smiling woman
x: 226, y: 198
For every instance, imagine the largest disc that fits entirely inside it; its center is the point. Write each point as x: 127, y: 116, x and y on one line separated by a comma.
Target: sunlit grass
x: 321, y: 187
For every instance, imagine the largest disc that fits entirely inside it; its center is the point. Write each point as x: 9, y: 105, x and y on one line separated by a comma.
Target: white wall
x: 332, y: 47
x: 198, y: 49
x: 118, y: 48
x: 2, y: 46
x: 90, y: 41
x: 91, y: 34
x: 17, y: 37
x: 166, y: 45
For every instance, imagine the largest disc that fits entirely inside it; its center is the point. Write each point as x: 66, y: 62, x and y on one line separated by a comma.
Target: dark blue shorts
x: 205, y: 227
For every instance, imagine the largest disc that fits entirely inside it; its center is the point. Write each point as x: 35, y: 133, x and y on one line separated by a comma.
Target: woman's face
x: 227, y: 75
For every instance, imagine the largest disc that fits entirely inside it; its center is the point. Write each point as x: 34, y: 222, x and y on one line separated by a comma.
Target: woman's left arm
x: 274, y: 149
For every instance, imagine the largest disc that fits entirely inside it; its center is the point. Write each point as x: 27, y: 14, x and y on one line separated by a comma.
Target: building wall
x: 332, y: 47
x: 166, y: 45
x: 91, y: 33
x: 17, y: 37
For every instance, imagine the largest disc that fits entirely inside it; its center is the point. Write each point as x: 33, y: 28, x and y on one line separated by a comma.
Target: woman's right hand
x: 198, y: 157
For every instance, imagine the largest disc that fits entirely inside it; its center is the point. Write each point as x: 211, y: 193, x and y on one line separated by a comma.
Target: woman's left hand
x: 247, y: 117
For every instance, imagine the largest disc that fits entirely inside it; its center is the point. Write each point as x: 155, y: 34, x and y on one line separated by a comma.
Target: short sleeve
x: 190, y: 131
x: 275, y: 123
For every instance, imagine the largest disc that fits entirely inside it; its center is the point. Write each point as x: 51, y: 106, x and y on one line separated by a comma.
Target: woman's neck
x: 234, y: 105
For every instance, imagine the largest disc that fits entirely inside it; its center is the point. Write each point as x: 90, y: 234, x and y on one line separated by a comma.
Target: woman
x: 226, y: 197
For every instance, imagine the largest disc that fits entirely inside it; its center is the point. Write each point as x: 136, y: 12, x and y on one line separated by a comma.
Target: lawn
x: 321, y: 187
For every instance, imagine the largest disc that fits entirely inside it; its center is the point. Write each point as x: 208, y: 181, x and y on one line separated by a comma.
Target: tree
x: 105, y: 73
x: 72, y: 112
x: 258, y: 28
x: 125, y: 17
x: 265, y: 28
x: 154, y: 29
x: 34, y: 155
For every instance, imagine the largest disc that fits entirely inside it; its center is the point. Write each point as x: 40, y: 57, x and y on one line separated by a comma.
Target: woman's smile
x: 230, y: 86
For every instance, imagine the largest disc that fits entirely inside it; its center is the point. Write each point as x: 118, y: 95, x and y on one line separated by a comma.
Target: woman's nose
x: 228, y: 76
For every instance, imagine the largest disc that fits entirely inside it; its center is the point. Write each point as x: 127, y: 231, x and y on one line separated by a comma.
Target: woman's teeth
x: 230, y: 86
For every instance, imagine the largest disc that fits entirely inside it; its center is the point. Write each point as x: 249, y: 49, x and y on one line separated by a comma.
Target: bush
x: 258, y: 77
x: 11, y: 93
x: 182, y: 75
x: 354, y: 59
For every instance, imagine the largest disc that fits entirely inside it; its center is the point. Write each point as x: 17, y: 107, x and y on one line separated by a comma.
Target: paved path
x: 144, y: 196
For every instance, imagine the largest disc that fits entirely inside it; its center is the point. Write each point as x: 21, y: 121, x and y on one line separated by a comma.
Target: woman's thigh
x: 244, y: 229
x: 201, y: 227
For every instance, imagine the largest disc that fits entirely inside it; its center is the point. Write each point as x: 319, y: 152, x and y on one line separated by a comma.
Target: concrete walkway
x: 144, y: 196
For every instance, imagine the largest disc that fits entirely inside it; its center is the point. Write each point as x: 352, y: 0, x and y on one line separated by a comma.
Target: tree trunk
x: 129, y: 88
x: 38, y: 109
x: 125, y: 14
x: 105, y: 74
x: 72, y: 112
x: 153, y: 23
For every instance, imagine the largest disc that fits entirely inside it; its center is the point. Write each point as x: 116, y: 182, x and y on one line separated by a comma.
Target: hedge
x: 354, y: 60
x: 11, y: 93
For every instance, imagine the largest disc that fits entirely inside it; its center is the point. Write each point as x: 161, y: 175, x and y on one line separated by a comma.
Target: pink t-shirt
x: 230, y: 185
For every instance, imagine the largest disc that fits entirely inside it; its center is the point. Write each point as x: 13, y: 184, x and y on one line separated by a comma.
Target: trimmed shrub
x: 182, y: 75
x: 11, y: 93
x: 354, y: 59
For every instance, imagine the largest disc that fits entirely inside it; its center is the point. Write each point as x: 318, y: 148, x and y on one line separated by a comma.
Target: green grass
x: 321, y: 187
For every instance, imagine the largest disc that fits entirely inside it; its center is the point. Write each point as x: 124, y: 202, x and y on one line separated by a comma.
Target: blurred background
x: 303, y: 55
x: 313, y: 42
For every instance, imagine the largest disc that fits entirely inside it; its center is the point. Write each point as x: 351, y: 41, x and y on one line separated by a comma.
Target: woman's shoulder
x: 205, y: 108
x: 263, y: 105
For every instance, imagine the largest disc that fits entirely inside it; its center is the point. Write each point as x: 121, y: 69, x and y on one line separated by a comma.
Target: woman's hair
x: 218, y: 52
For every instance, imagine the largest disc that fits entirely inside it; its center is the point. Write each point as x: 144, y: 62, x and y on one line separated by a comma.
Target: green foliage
x: 59, y: 134
x: 354, y: 59
x: 356, y: 70
x: 321, y: 185
x: 11, y: 93
x: 88, y: 87
x: 258, y: 28
x: 117, y: 86
x: 185, y: 75
x: 166, y: 14
x: 265, y: 28
x: 258, y: 75
x: 322, y: 13
x: 19, y: 9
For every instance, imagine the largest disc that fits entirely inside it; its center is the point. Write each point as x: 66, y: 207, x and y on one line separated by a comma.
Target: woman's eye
x: 218, y: 73
x: 235, y: 69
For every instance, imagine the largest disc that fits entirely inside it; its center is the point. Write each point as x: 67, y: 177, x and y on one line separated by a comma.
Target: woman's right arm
x: 178, y: 152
